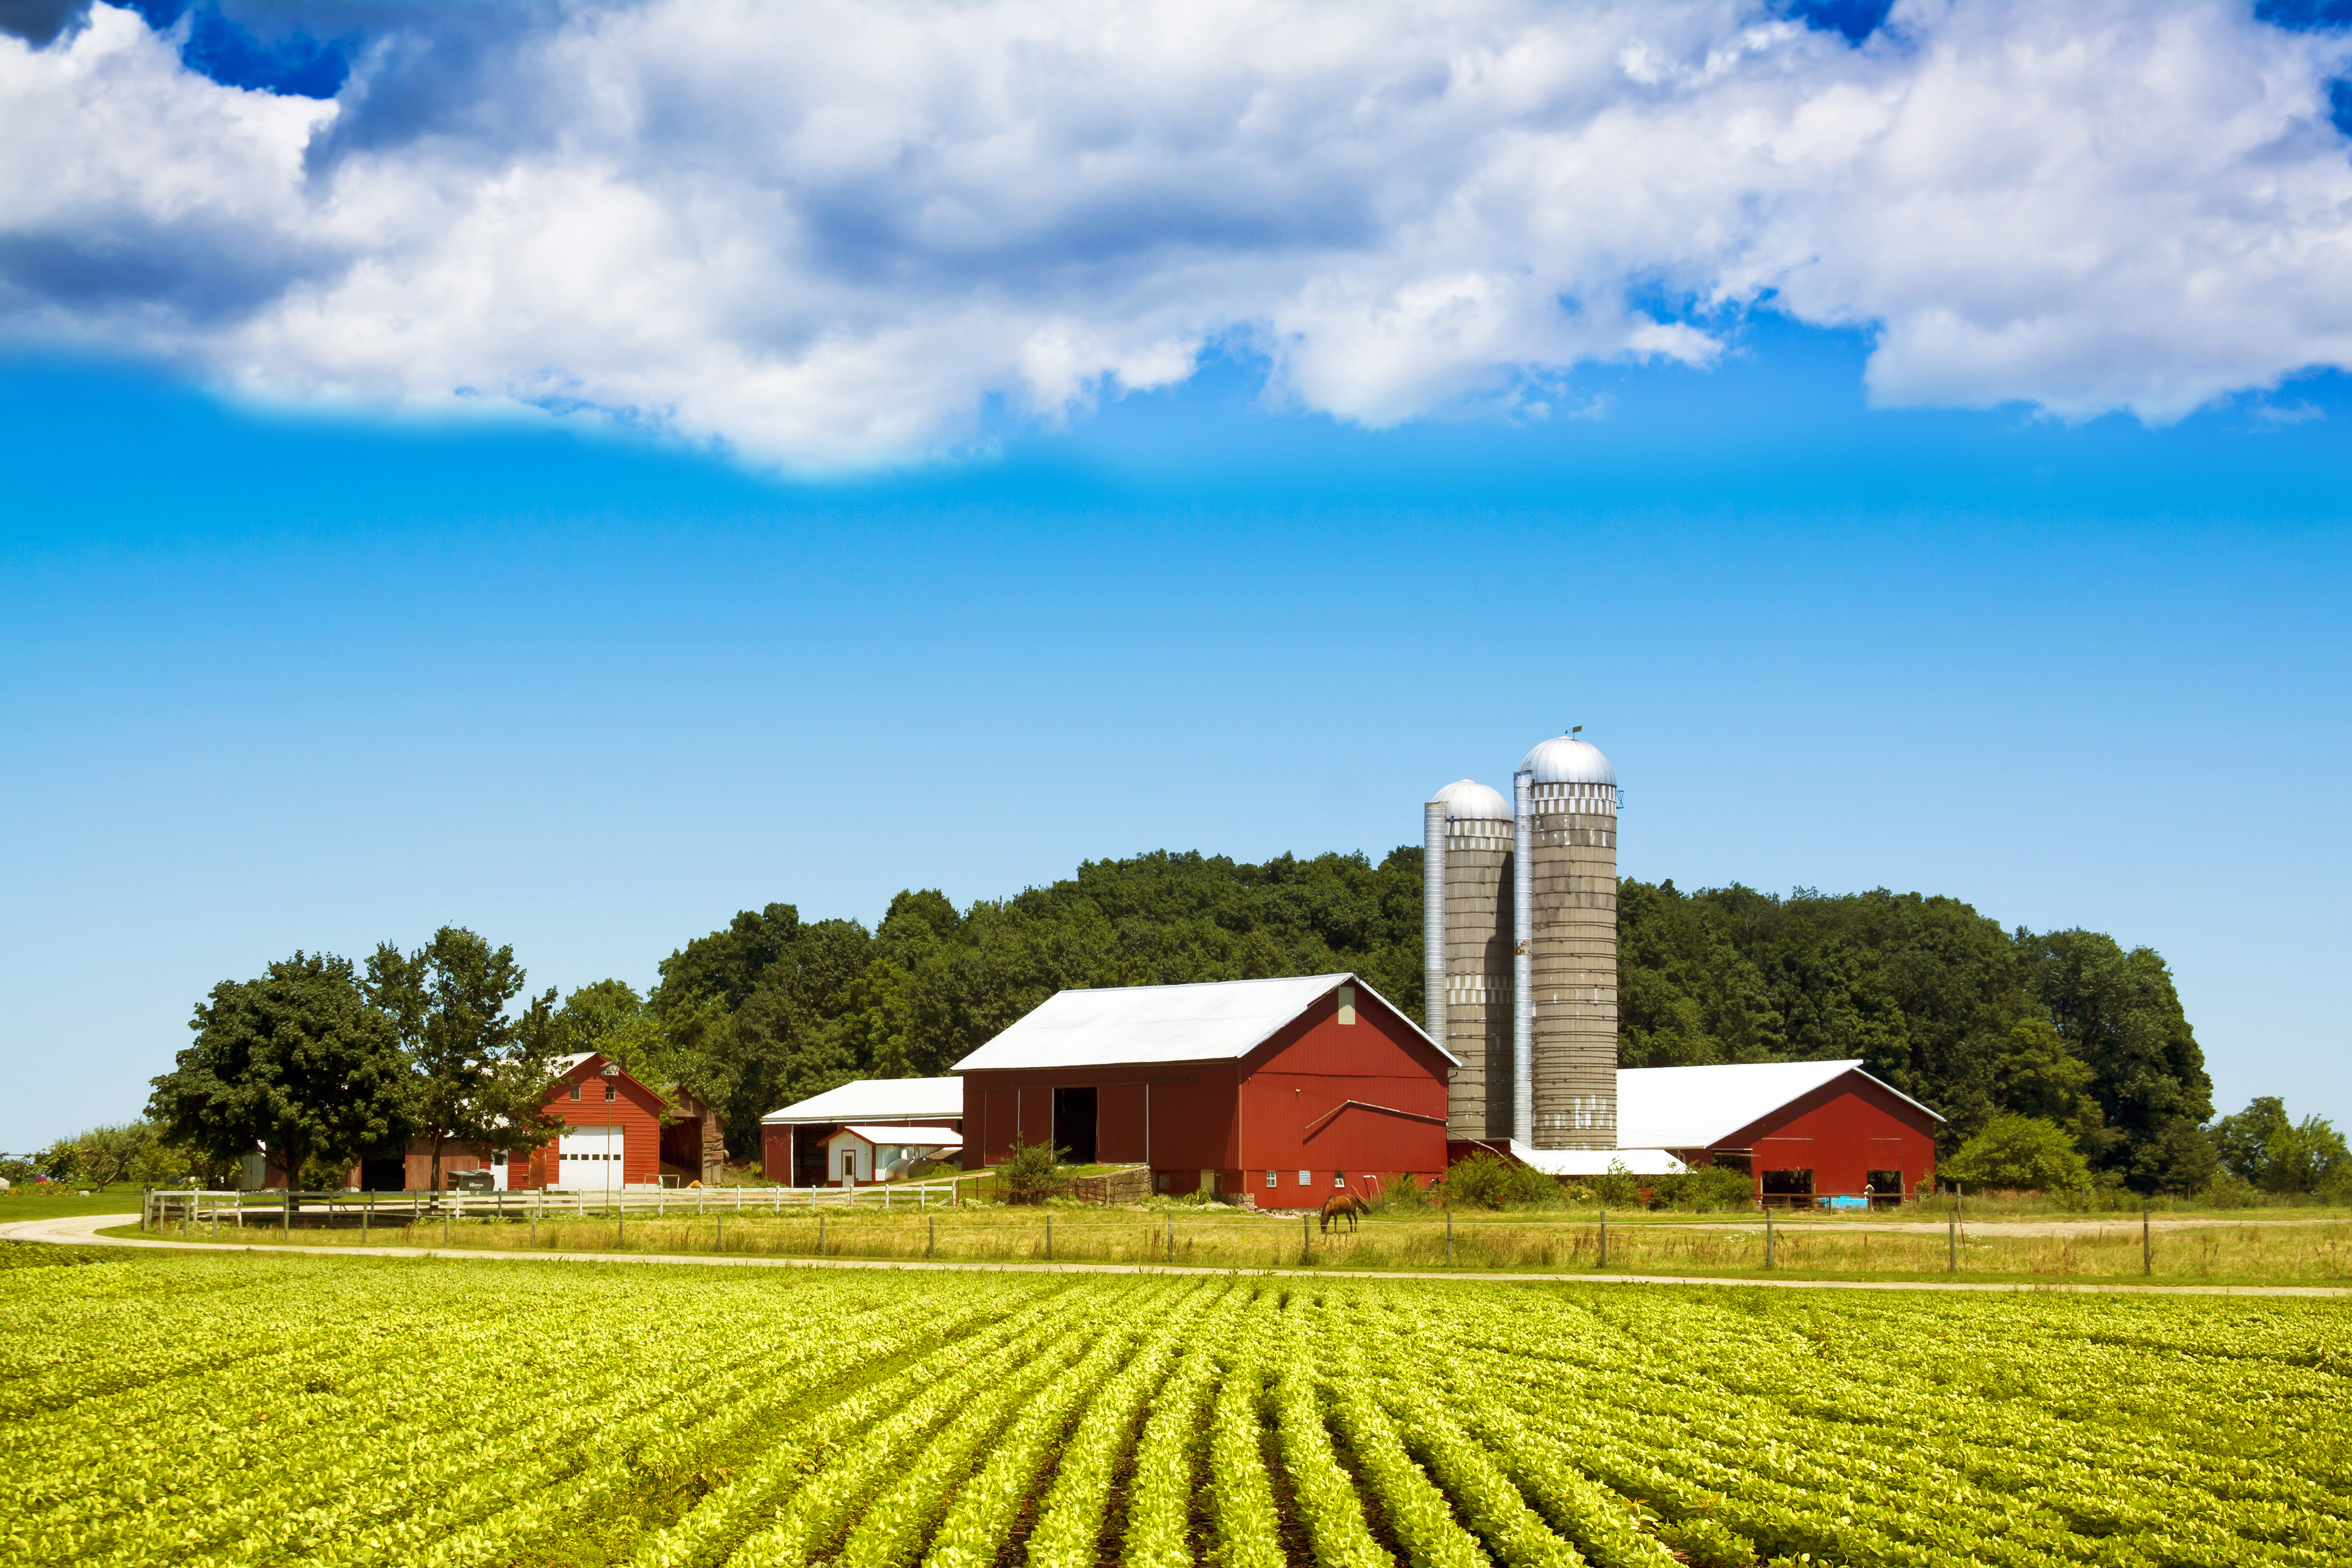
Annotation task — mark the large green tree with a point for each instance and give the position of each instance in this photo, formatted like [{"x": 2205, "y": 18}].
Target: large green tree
[
  {"x": 295, "y": 1064},
  {"x": 2264, "y": 1146},
  {"x": 479, "y": 1074}
]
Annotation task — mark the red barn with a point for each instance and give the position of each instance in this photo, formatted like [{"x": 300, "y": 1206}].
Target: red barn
[
  {"x": 1281, "y": 1091},
  {"x": 1806, "y": 1131},
  {"x": 614, "y": 1135}
]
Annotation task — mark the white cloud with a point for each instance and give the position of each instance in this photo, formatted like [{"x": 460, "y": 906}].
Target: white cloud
[{"x": 830, "y": 235}]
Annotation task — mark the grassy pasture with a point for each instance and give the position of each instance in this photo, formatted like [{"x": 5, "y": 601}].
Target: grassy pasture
[
  {"x": 186, "y": 1408},
  {"x": 2255, "y": 1252}
]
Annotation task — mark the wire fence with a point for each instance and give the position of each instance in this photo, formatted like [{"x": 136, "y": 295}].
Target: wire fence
[{"x": 925, "y": 1222}]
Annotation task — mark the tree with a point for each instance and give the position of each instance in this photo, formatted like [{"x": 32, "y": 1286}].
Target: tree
[
  {"x": 2035, "y": 1075},
  {"x": 2021, "y": 1152},
  {"x": 2118, "y": 1012},
  {"x": 99, "y": 1155},
  {"x": 294, "y": 1063},
  {"x": 2263, "y": 1146},
  {"x": 478, "y": 1076}
]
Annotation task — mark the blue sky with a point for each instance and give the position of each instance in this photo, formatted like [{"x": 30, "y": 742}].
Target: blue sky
[
  {"x": 290, "y": 681},
  {"x": 427, "y": 505}
]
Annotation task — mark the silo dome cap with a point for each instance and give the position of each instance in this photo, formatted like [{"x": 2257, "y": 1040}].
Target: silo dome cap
[
  {"x": 1564, "y": 759},
  {"x": 1467, "y": 800}
]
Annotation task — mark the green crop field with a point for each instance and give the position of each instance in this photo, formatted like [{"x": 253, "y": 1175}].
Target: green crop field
[{"x": 239, "y": 1409}]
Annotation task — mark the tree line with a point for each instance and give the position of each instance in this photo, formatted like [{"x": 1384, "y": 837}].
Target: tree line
[{"x": 2061, "y": 1054}]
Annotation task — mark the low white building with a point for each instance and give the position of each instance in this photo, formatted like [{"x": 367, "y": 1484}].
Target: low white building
[
  {"x": 876, "y": 1124},
  {"x": 857, "y": 1154}
]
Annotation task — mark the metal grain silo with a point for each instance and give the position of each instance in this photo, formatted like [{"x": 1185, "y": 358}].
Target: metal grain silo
[
  {"x": 1467, "y": 924},
  {"x": 1565, "y": 1016}
]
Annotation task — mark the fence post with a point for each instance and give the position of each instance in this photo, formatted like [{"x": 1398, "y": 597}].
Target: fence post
[
  {"x": 1449, "y": 1238},
  {"x": 2146, "y": 1244},
  {"x": 534, "y": 1225},
  {"x": 215, "y": 1213},
  {"x": 1768, "y": 1236},
  {"x": 1952, "y": 1244},
  {"x": 820, "y": 1233},
  {"x": 288, "y": 1225},
  {"x": 1305, "y": 1241},
  {"x": 1049, "y": 1238},
  {"x": 621, "y": 1221},
  {"x": 1171, "y": 1238},
  {"x": 719, "y": 1233},
  {"x": 933, "y": 1244},
  {"x": 366, "y": 1209},
  {"x": 1604, "y": 1239}
]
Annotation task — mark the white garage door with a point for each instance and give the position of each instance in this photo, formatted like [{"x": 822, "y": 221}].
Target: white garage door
[{"x": 589, "y": 1160}]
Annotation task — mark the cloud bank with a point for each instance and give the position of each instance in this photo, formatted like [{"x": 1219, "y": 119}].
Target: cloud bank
[{"x": 836, "y": 236}]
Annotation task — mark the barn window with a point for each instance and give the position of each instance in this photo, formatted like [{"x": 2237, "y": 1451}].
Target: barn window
[
  {"x": 611, "y": 1090},
  {"x": 1269, "y": 1178},
  {"x": 575, "y": 1092},
  {"x": 1346, "y": 1003},
  {"x": 1305, "y": 1178},
  {"x": 1339, "y": 1178}
]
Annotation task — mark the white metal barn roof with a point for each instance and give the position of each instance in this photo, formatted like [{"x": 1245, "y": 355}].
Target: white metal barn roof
[
  {"x": 1694, "y": 1107},
  {"x": 1599, "y": 1162},
  {"x": 1221, "y": 1020},
  {"x": 907, "y": 1137},
  {"x": 879, "y": 1099}
]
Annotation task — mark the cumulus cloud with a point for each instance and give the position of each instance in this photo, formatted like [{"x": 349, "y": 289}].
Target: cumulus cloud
[{"x": 829, "y": 236}]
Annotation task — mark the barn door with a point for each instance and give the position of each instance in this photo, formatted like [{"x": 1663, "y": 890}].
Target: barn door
[{"x": 588, "y": 1159}]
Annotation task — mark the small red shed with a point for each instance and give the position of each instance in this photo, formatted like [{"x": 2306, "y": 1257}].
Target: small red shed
[
  {"x": 1281, "y": 1091},
  {"x": 1807, "y": 1131},
  {"x": 612, "y": 1131}
]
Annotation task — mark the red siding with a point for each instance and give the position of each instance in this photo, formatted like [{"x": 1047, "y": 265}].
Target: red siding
[
  {"x": 635, "y": 1109},
  {"x": 1840, "y": 1131},
  {"x": 1296, "y": 1112},
  {"x": 1192, "y": 1113},
  {"x": 1243, "y": 1119}
]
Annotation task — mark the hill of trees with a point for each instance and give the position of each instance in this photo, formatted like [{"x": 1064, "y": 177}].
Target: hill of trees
[{"x": 1974, "y": 1020}]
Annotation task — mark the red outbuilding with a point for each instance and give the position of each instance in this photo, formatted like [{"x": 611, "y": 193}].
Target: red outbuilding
[
  {"x": 1807, "y": 1131},
  {"x": 1277, "y": 1091}
]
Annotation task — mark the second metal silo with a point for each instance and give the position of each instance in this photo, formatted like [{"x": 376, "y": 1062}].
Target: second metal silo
[
  {"x": 1566, "y": 974},
  {"x": 1467, "y": 935}
]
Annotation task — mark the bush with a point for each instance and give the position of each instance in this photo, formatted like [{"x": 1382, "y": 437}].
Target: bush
[
  {"x": 1033, "y": 1172},
  {"x": 1400, "y": 1193},
  {"x": 2230, "y": 1191},
  {"x": 1488, "y": 1181},
  {"x": 1705, "y": 1189},
  {"x": 2020, "y": 1153}
]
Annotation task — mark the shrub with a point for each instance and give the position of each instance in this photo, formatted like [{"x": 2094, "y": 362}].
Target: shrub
[
  {"x": 2020, "y": 1152},
  {"x": 1488, "y": 1181},
  {"x": 1033, "y": 1172},
  {"x": 2229, "y": 1190},
  {"x": 1705, "y": 1189}
]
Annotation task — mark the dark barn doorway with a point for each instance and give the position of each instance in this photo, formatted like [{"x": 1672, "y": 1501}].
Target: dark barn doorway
[
  {"x": 389, "y": 1174},
  {"x": 1074, "y": 1123}
]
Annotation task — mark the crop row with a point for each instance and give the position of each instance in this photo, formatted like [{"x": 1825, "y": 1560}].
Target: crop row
[{"x": 280, "y": 1409}]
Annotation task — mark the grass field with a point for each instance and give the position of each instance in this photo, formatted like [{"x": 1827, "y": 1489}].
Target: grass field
[
  {"x": 2259, "y": 1252},
  {"x": 247, "y": 1408}
]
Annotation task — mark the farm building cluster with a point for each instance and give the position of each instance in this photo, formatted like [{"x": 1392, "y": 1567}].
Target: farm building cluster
[{"x": 1279, "y": 1092}]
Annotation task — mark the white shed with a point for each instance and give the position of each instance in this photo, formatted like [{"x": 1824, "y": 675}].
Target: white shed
[{"x": 857, "y": 1154}]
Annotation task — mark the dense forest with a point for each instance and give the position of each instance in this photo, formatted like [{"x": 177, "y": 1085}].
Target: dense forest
[{"x": 1973, "y": 1019}]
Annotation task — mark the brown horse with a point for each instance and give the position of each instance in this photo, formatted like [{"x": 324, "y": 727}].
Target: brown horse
[{"x": 1344, "y": 1205}]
